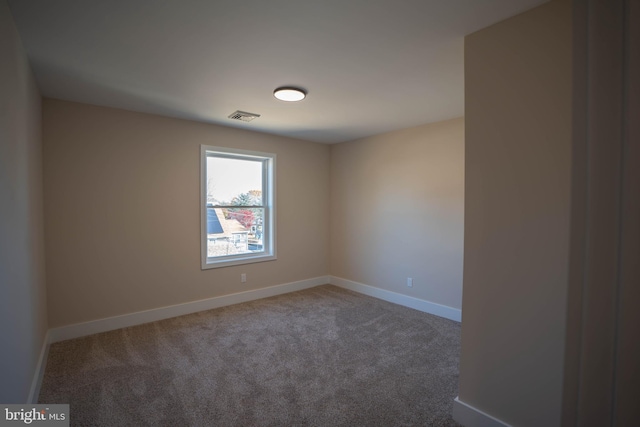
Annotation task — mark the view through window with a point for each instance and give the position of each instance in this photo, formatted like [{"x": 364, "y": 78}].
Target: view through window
[{"x": 238, "y": 217}]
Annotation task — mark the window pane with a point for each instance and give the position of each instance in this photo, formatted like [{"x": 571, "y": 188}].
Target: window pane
[
  {"x": 234, "y": 182},
  {"x": 234, "y": 231}
]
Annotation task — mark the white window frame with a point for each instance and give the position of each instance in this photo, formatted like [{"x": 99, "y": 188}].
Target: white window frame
[{"x": 269, "y": 197}]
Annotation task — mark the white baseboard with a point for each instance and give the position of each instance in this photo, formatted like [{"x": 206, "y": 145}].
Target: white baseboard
[
  {"x": 469, "y": 416},
  {"x": 405, "y": 300},
  {"x": 108, "y": 324},
  {"x": 36, "y": 383}
]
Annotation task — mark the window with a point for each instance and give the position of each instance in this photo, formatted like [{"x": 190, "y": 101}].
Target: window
[{"x": 237, "y": 206}]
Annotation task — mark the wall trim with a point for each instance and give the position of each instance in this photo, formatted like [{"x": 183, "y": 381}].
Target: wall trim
[
  {"x": 36, "y": 383},
  {"x": 469, "y": 416},
  {"x": 394, "y": 297},
  {"x": 111, "y": 323}
]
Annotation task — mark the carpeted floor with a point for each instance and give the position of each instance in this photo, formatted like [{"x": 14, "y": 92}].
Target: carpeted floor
[{"x": 319, "y": 357}]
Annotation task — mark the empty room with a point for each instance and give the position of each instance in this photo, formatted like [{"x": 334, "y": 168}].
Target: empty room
[{"x": 355, "y": 213}]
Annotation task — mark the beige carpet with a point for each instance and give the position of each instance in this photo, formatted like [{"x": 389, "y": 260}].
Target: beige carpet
[{"x": 319, "y": 357}]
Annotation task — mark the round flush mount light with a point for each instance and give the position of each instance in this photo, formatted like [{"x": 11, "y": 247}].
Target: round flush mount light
[{"x": 289, "y": 94}]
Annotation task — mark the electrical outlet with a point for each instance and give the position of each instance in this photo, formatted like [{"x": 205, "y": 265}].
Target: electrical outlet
[
  {"x": 410, "y": 282},
  {"x": 243, "y": 277}
]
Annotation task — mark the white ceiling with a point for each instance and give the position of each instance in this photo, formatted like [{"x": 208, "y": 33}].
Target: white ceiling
[{"x": 369, "y": 66}]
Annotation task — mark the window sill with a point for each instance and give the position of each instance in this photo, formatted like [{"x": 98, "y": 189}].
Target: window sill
[{"x": 236, "y": 260}]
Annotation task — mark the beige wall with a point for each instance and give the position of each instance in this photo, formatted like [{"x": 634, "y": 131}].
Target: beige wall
[
  {"x": 122, "y": 211},
  {"x": 23, "y": 314},
  {"x": 517, "y": 193},
  {"x": 397, "y": 209}
]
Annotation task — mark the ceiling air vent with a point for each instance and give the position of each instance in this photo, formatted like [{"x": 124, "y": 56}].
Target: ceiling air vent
[{"x": 243, "y": 116}]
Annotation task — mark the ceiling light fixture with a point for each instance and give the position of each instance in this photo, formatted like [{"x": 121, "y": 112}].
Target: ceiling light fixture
[{"x": 289, "y": 94}]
